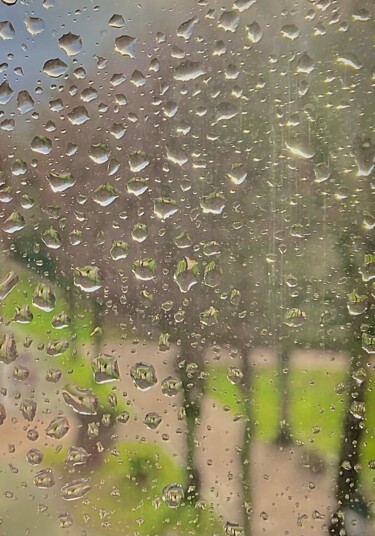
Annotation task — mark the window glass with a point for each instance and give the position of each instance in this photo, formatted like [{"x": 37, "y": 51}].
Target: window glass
[{"x": 187, "y": 267}]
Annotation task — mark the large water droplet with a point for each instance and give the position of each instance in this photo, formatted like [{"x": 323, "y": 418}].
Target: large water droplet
[
  {"x": 105, "y": 194},
  {"x": 88, "y": 278},
  {"x": 82, "y": 401},
  {"x": 25, "y": 103},
  {"x": 144, "y": 269},
  {"x": 28, "y": 409},
  {"x": 55, "y": 68},
  {"x": 6, "y": 30},
  {"x": 34, "y": 25},
  {"x": 143, "y": 376},
  {"x": 60, "y": 182},
  {"x": 189, "y": 70},
  {"x": 41, "y": 145},
  {"x": 44, "y": 298},
  {"x": 254, "y": 32},
  {"x": 229, "y": 21},
  {"x": 186, "y": 274},
  {"x": 58, "y": 428},
  {"x": 105, "y": 369},
  {"x": 8, "y": 284},
  {"x": 75, "y": 489},
  {"x": 125, "y": 45},
  {"x": 173, "y": 495},
  {"x": 77, "y": 456},
  {"x": 44, "y": 479},
  {"x": 8, "y": 349},
  {"x": 71, "y": 44},
  {"x": 6, "y": 92},
  {"x": 165, "y": 207}
]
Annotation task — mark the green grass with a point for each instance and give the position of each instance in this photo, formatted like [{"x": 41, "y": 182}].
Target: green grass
[{"x": 316, "y": 409}]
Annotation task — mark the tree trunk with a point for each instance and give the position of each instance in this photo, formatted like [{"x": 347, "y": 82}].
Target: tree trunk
[
  {"x": 284, "y": 436},
  {"x": 347, "y": 481},
  {"x": 190, "y": 368},
  {"x": 246, "y": 442}
]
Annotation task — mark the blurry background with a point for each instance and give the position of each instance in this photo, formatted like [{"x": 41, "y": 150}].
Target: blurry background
[{"x": 187, "y": 267}]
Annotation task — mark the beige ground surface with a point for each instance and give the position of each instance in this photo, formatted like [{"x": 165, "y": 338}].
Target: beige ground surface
[{"x": 288, "y": 498}]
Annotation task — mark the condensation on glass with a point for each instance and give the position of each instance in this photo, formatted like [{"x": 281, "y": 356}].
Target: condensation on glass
[{"x": 187, "y": 267}]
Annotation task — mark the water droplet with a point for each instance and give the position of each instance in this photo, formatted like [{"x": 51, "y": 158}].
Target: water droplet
[
  {"x": 88, "y": 278},
  {"x": 65, "y": 520},
  {"x": 105, "y": 369},
  {"x": 213, "y": 203},
  {"x": 209, "y": 317},
  {"x": 15, "y": 222},
  {"x": 58, "y": 428},
  {"x": 77, "y": 456},
  {"x": 51, "y": 238},
  {"x": 20, "y": 373},
  {"x": 212, "y": 275},
  {"x": 138, "y": 161},
  {"x": 8, "y": 349},
  {"x": 78, "y": 116},
  {"x": 144, "y": 269},
  {"x": 71, "y": 44},
  {"x": 44, "y": 479},
  {"x": 118, "y": 130},
  {"x": 41, "y": 145},
  {"x": 6, "y": 30},
  {"x": 186, "y": 274},
  {"x": 173, "y": 495},
  {"x": 143, "y": 376},
  {"x": 53, "y": 375},
  {"x": 186, "y": 29},
  {"x": 290, "y": 31},
  {"x": 189, "y": 70},
  {"x": 350, "y": 60},
  {"x": 125, "y": 45},
  {"x": 321, "y": 172},
  {"x": 152, "y": 420},
  {"x": 82, "y": 401},
  {"x": 294, "y": 318},
  {"x": 171, "y": 386},
  {"x": 358, "y": 410},
  {"x": 44, "y": 298},
  {"x": 60, "y": 182},
  {"x": 138, "y": 78},
  {"x": 243, "y": 5},
  {"x": 357, "y": 304},
  {"x": 368, "y": 343},
  {"x": 137, "y": 186},
  {"x": 34, "y": 456},
  {"x": 361, "y": 15},
  {"x": 254, "y": 32},
  {"x": 34, "y": 25},
  {"x": 56, "y": 348},
  {"x": 99, "y": 153},
  {"x": 60, "y": 321},
  {"x": 6, "y": 92},
  {"x": 55, "y": 68},
  {"x": 300, "y": 147},
  {"x": 75, "y": 489},
  {"x": 8, "y": 284},
  {"x": 229, "y": 21},
  {"x": 28, "y": 409},
  {"x": 165, "y": 207},
  {"x": 123, "y": 417},
  {"x": 367, "y": 271},
  {"x": 364, "y": 154},
  {"x": 116, "y": 21},
  {"x": 105, "y": 194}
]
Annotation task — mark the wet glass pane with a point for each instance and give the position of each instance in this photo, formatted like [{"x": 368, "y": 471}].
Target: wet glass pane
[{"x": 187, "y": 267}]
